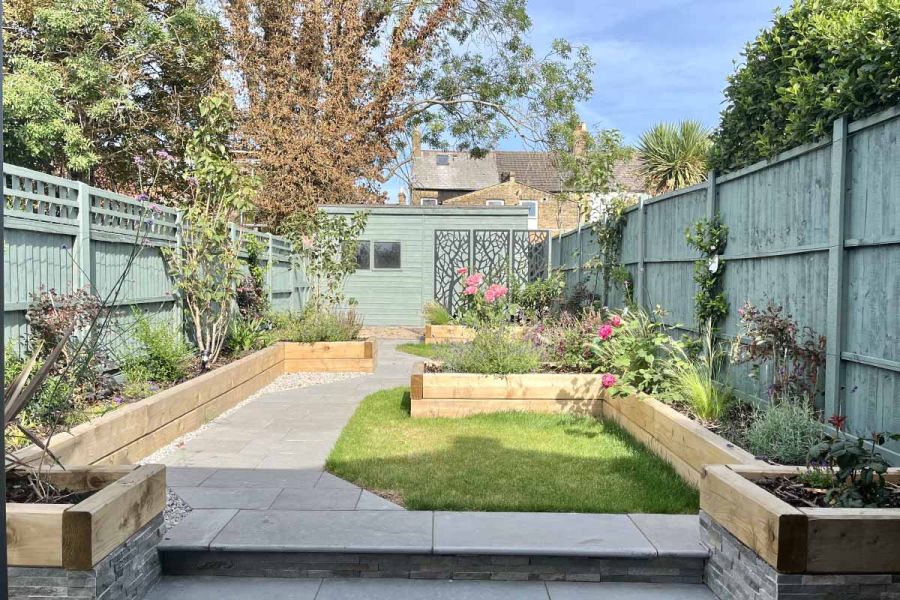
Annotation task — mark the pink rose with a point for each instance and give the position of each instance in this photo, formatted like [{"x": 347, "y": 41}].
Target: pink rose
[
  {"x": 605, "y": 332},
  {"x": 462, "y": 271},
  {"x": 474, "y": 280},
  {"x": 470, "y": 290},
  {"x": 608, "y": 380},
  {"x": 490, "y": 296},
  {"x": 616, "y": 321}
]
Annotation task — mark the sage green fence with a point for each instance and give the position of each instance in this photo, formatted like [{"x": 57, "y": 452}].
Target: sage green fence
[
  {"x": 815, "y": 229},
  {"x": 65, "y": 235}
]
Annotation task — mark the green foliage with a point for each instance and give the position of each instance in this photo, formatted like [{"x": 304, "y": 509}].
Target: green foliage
[
  {"x": 697, "y": 381},
  {"x": 162, "y": 354},
  {"x": 674, "y": 155},
  {"x": 494, "y": 350},
  {"x": 245, "y": 335},
  {"x": 206, "y": 266},
  {"x": 436, "y": 314},
  {"x": 90, "y": 83},
  {"x": 482, "y": 304},
  {"x": 52, "y": 401},
  {"x": 820, "y": 59},
  {"x": 251, "y": 297},
  {"x": 784, "y": 432},
  {"x": 565, "y": 342},
  {"x": 539, "y": 297},
  {"x": 816, "y": 477},
  {"x": 709, "y": 237},
  {"x": 318, "y": 325},
  {"x": 636, "y": 350},
  {"x": 327, "y": 245},
  {"x": 858, "y": 468}
]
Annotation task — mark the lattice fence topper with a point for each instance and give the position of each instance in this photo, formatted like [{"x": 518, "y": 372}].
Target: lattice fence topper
[{"x": 503, "y": 255}]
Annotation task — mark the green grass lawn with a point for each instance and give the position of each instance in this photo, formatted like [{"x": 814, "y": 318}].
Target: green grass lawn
[
  {"x": 421, "y": 349},
  {"x": 503, "y": 462}
]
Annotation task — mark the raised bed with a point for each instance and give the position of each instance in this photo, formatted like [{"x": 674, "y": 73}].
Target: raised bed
[
  {"x": 800, "y": 540},
  {"x": 136, "y": 430},
  {"x": 685, "y": 444},
  {"x": 78, "y": 536},
  {"x": 456, "y": 334}
]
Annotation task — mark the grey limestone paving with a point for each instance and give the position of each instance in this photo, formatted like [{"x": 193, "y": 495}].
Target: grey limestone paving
[{"x": 235, "y": 588}]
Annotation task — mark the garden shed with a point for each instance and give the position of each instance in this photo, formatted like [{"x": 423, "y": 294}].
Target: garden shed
[{"x": 396, "y": 274}]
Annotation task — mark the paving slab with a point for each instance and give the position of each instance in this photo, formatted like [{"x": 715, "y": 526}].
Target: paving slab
[
  {"x": 628, "y": 591},
  {"x": 549, "y": 534},
  {"x": 197, "y": 529},
  {"x": 383, "y": 531},
  {"x": 187, "y": 476},
  {"x": 210, "y": 497},
  {"x": 672, "y": 535},
  {"x": 406, "y": 589},
  {"x": 370, "y": 501},
  {"x": 317, "y": 499},
  {"x": 273, "y": 478},
  {"x": 233, "y": 588},
  {"x": 327, "y": 480}
]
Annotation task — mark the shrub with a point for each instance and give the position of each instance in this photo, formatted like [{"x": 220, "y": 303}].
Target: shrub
[
  {"x": 318, "y": 325},
  {"x": 674, "y": 156},
  {"x": 493, "y": 351},
  {"x": 245, "y": 335},
  {"x": 566, "y": 343},
  {"x": 697, "y": 381},
  {"x": 536, "y": 297},
  {"x": 436, "y": 314},
  {"x": 250, "y": 294},
  {"x": 162, "y": 355},
  {"x": 820, "y": 59},
  {"x": 784, "y": 432},
  {"x": 482, "y": 303}
]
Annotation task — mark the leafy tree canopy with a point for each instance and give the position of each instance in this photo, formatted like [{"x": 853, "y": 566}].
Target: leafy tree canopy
[
  {"x": 89, "y": 84},
  {"x": 333, "y": 90},
  {"x": 819, "y": 60}
]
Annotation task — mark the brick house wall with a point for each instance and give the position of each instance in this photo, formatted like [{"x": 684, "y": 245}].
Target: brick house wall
[{"x": 555, "y": 212}]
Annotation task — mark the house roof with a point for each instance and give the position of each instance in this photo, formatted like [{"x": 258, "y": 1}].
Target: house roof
[{"x": 534, "y": 169}]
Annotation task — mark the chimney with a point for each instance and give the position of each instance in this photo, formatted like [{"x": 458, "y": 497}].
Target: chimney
[
  {"x": 401, "y": 198},
  {"x": 508, "y": 176},
  {"x": 580, "y": 140},
  {"x": 416, "y": 142}
]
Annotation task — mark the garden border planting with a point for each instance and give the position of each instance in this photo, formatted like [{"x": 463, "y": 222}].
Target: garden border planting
[
  {"x": 684, "y": 443},
  {"x": 136, "y": 430},
  {"x": 800, "y": 540},
  {"x": 78, "y": 536}
]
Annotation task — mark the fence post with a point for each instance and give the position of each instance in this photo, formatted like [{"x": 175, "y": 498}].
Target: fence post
[
  {"x": 712, "y": 197},
  {"x": 642, "y": 249},
  {"x": 270, "y": 270},
  {"x": 177, "y": 306},
  {"x": 835, "y": 304},
  {"x": 82, "y": 250}
]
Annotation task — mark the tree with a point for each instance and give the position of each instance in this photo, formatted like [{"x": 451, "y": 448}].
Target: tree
[
  {"x": 334, "y": 90},
  {"x": 206, "y": 266},
  {"x": 90, "y": 84},
  {"x": 674, "y": 155},
  {"x": 820, "y": 59}
]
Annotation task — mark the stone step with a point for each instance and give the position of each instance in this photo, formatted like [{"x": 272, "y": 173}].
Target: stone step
[{"x": 436, "y": 545}]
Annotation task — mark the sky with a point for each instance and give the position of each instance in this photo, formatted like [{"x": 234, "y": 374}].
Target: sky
[{"x": 656, "y": 60}]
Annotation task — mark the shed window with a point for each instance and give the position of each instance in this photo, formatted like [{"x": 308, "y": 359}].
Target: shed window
[
  {"x": 495, "y": 203},
  {"x": 429, "y": 201},
  {"x": 443, "y": 159},
  {"x": 387, "y": 255},
  {"x": 364, "y": 255}
]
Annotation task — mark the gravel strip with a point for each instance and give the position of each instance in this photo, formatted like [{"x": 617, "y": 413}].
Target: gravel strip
[
  {"x": 289, "y": 381},
  {"x": 176, "y": 510}
]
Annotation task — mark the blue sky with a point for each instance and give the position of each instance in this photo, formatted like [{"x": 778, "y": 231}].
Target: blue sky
[{"x": 656, "y": 60}]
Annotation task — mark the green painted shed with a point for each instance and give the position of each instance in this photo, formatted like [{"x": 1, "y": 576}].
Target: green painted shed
[{"x": 400, "y": 239}]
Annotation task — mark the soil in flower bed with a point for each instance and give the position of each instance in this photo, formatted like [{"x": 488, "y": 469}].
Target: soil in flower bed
[
  {"x": 799, "y": 495},
  {"x": 25, "y": 489}
]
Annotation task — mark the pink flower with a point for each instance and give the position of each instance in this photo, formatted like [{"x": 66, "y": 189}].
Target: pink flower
[
  {"x": 605, "y": 332},
  {"x": 470, "y": 290},
  {"x": 608, "y": 380},
  {"x": 490, "y": 296},
  {"x": 616, "y": 321},
  {"x": 474, "y": 280},
  {"x": 462, "y": 271}
]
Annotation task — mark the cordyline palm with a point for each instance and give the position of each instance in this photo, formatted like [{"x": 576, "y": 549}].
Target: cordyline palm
[{"x": 674, "y": 155}]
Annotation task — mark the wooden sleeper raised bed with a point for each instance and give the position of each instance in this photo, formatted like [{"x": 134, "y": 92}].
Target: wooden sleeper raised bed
[{"x": 78, "y": 536}]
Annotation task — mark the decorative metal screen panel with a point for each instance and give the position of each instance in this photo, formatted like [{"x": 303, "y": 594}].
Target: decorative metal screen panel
[
  {"x": 452, "y": 250},
  {"x": 503, "y": 255}
]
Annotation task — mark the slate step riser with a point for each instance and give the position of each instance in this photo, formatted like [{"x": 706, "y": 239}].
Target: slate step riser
[{"x": 430, "y": 566}]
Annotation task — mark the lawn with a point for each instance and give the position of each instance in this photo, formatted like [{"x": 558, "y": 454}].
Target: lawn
[
  {"x": 503, "y": 462},
  {"x": 421, "y": 349}
]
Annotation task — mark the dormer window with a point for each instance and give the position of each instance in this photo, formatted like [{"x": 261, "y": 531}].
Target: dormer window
[{"x": 442, "y": 159}]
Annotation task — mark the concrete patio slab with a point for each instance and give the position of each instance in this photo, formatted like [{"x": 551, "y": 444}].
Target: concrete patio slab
[
  {"x": 396, "y": 589},
  {"x": 327, "y": 480},
  {"x": 208, "y": 497},
  {"x": 187, "y": 476},
  {"x": 539, "y": 534},
  {"x": 317, "y": 499},
  {"x": 370, "y": 501},
  {"x": 382, "y": 531},
  {"x": 628, "y": 591},
  {"x": 234, "y": 588},
  {"x": 273, "y": 478},
  {"x": 672, "y": 535},
  {"x": 197, "y": 529}
]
